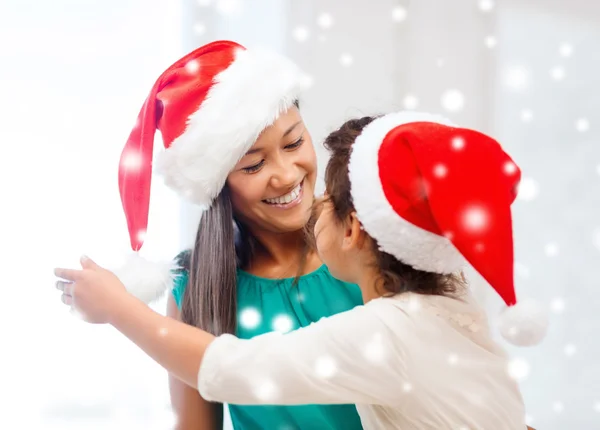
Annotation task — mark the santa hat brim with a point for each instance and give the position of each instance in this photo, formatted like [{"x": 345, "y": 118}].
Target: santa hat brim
[{"x": 412, "y": 245}]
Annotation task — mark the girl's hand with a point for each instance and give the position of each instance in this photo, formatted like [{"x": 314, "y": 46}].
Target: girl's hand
[{"x": 92, "y": 291}]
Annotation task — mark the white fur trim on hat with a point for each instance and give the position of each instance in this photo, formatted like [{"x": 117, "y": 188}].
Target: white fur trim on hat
[
  {"x": 145, "y": 279},
  {"x": 245, "y": 98},
  {"x": 412, "y": 245}
]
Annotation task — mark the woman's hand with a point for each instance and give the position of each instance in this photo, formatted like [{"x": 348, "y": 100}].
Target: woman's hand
[{"x": 92, "y": 291}]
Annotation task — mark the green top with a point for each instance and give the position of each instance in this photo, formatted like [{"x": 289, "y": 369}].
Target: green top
[{"x": 266, "y": 305}]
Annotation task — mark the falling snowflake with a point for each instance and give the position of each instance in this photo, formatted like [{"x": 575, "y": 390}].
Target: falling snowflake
[
  {"x": 439, "y": 62},
  {"x": 551, "y": 249},
  {"x": 453, "y": 100},
  {"x": 557, "y": 305},
  {"x": 229, "y": 7},
  {"x": 410, "y": 102},
  {"x": 266, "y": 391},
  {"x": 528, "y": 420},
  {"x": 192, "y": 67},
  {"x": 375, "y": 350},
  {"x": 346, "y": 60},
  {"x": 518, "y": 369},
  {"x": 453, "y": 359},
  {"x": 141, "y": 235},
  {"x": 596, "y": 238},
  {"x": 458, "y": 143},
  {"x": 528, "y": 189},
  {"x": 509, "y": 168},
  {"x": 582, "y": 125},
  {"x": 301, "y": 33},
  {"x": 163, "y": 332},
  {"x": 597, "y": 406},
  {"x": 490, "y": 41},
  {"x": 325, "y": 367},
  {"x": 131, "y": 161},
  {"x": 557, "y": 73},
  {"x": 199, "y": 29},
  {"x": 565, "y": 49},
  {"x": 414, "y": 303},
  {"x": 526, "y": 115},
  {"x": 325, "y": 20},
  {"x": 517, "y": 78},
  {"x": 249, "y": 318},
  {"x": 558, "y": 407},
  {"x": 570, "y": 350},
  {"x": 475, "y": 219},
  {"x": 407, "y": 387},
  {"x": 399, "y": 14},
  {"x": 440, "y": 171},
  {"x": 283, "y": 324},
  {"x": 486, "y": 5}
]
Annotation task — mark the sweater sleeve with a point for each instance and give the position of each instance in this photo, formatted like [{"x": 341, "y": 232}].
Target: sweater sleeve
[{"x": 341, "y": 359}]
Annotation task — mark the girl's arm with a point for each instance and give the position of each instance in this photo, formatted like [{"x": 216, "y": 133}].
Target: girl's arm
[
  {"x": 341, "y": 359},
  {"x": 192, "y": 411}
]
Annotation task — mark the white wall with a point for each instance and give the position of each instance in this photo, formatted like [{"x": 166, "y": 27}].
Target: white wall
[{"x": 74, "y": 75}]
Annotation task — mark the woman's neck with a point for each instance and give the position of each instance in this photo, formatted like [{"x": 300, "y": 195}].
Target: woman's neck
[{"x": 282, "y": 255}]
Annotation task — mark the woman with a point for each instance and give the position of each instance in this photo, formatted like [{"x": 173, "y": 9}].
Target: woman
[{"x": 236, "y": 145}]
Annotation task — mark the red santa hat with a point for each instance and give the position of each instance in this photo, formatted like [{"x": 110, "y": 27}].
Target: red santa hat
[
  {"x": 210, "y": 107},
  {"x": 437, "y": 196}
]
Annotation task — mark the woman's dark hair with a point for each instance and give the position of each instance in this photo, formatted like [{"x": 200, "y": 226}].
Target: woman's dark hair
[
  {"x": 222, "y": 245},
  {"x": 396, "y": 277}
]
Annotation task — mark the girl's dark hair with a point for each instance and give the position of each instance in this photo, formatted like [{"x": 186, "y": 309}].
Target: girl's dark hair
[
  {"x": 222, "y": 245},
  {"x": 396, "y": 277}
]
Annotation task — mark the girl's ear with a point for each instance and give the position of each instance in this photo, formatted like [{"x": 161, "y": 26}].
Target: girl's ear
[{"x": 354, "y": 235}]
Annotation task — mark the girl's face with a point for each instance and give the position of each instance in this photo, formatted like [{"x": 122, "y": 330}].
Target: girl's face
[
  {"x": 272, "y": 187},
  {"x": 331, "y": 238}
]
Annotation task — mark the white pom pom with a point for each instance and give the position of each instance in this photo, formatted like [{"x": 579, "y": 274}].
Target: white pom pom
[
  {"x": 524, "y": 324},
  {"x": 144, "y": 279}
]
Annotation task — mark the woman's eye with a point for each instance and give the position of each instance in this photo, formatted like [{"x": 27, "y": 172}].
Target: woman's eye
[
  {"x": 254, "y": 168},
  {"x": 296, "y": 144}
]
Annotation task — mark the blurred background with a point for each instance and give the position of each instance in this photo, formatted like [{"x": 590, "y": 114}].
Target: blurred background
[{"x": 75, "y": 73}]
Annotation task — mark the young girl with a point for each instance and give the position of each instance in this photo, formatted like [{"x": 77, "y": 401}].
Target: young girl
[{"x": 409, "y": 198}]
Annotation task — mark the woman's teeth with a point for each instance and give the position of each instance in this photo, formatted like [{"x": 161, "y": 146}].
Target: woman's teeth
[{"x": 287, "y": 198}]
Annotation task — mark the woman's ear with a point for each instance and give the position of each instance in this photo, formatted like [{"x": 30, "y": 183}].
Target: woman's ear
[{"x": 354, "y": 235}]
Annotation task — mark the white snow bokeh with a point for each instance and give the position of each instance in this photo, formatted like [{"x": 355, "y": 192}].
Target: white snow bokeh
[
  {"x": 399, "y": 13},
  {"x": 519, "y": 369},
  {"x": 249, "y": 318},
  {"x": 528, "y": 189},
  {"x": 283, "y": 323},
  {"x": 453, "y": 100},
  {"x": 325, "y": 20}
]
